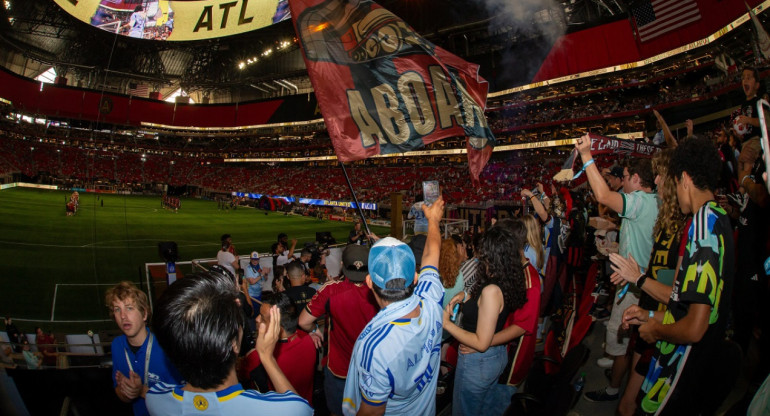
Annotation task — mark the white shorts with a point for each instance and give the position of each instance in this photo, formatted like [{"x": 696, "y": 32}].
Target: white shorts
[{"x": 616, "y": 342}]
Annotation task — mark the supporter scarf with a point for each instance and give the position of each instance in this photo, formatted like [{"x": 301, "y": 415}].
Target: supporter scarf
[{"x": 601, "y": 145}]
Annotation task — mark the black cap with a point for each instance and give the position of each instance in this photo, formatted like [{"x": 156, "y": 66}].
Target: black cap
[{"x": 355, "y": 260}]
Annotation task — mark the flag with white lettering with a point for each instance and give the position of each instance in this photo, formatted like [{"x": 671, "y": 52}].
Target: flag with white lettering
[
  {"x": 601, "y": 145},
  {"x": 384, "y": 89}
]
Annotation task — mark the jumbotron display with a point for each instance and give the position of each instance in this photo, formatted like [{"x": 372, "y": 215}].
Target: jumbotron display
[{"x": 177, "y": 20}]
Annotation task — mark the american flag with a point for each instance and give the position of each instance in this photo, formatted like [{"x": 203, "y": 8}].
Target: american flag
[
  {"x": 138, "y": 90},
  {"x": 658, "y": 17}
]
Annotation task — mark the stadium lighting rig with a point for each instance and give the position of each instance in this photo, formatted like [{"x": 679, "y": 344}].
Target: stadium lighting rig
[{"x": 281, "y": 45}]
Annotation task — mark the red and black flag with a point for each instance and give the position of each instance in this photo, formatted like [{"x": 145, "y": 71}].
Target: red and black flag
[{"x": 382, "y": 88}]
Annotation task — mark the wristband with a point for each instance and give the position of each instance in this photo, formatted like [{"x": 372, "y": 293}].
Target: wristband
[
  {"x": 583, "y": 169},
  {"x": 650, "y": 314},
  {"x": 465, "y": 296},
  {"x": 640, "y": 281}
]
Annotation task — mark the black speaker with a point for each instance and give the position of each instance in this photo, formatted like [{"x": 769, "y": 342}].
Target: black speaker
[
  {"x": 325, "y": 237},
  {"x": 168, "y": 251}
]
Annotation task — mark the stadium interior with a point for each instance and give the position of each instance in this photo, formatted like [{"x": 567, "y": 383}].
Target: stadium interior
[{"x": 223, "y": 118}]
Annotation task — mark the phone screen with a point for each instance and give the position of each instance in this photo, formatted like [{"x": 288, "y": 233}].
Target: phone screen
[{"x": 430, "y": 191}]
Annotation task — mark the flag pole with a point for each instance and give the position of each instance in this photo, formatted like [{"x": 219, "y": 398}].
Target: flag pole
[{"x": 355, "y": 201}]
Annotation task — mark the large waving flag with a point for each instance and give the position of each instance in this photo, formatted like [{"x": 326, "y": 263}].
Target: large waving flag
[{"x": 382, "y": 88}]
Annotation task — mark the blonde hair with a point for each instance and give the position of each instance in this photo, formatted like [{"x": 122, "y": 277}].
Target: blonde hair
[
  {"x": 125, "y": 291},
  {"x": 535, "y": 239},
  {"x": 670, "y": 218},
  {"x": 448, "y": 263}
]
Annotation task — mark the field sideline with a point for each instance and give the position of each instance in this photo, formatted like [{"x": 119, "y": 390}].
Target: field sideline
[{"x": 101, "y": 245}]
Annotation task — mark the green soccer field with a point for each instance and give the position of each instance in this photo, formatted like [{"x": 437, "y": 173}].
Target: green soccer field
[{"x": 41, "y": 248}]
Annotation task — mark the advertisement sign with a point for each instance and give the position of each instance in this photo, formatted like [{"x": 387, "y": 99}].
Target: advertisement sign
[{"x": 177, "y": 20}]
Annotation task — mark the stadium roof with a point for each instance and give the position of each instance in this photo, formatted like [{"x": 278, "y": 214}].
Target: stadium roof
[{"x": 38, "y": 34}]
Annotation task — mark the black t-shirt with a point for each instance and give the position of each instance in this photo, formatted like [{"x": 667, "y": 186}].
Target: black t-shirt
[
  {"x": 665, "y": 252},
  {"x": 750, "y": 240},
  {"x": 300, "y": 295}
]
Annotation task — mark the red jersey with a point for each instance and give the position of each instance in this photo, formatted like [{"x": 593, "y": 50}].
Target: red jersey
[
  {"x": 525, "y": 318},
  {"x": 296, "y": 358},
  {"x": 350, "y": 307}
]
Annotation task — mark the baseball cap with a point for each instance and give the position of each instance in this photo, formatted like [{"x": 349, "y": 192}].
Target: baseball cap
[
  {"x": 391, "y": 259},
  {"x": 617, "y": 172},
  {"x": 254, "y": 255},
  {"x": 354, "y": 262}
]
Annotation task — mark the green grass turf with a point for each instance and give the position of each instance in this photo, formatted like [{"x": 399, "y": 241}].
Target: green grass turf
[{"x": 40, "y": 247}]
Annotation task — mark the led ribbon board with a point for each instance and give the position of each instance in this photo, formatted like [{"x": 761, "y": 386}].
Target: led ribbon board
[{"x": 177, "y": 20}]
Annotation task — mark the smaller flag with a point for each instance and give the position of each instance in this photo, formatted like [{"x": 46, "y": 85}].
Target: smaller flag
[
  {"x": 658, "y": 17},
  {"x": 138, "y": 90},
  {"x": 763, "y": 41}
]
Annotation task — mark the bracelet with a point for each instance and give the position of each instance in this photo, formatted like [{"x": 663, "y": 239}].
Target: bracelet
[
  {"x": 465, "y": 296},
  {"x": 650, "y": 315},
  {"x": 748, "y": 176}
]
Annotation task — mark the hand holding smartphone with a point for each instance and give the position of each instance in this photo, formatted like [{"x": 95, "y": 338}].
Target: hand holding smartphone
[{"x": 430, "y": 192}]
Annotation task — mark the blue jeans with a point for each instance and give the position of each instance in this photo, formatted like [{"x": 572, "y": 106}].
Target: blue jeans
[
  {"x": 499, "y": 398},
  {"x": 475, "y": 380}
]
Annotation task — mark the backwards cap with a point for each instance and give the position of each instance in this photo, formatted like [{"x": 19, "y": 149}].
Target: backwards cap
[{"x": 391, "y": 259}]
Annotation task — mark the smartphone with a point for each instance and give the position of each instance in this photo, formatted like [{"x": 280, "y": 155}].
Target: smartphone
[
  {"x": 763, "y": 108},
  {"x": 430, "y": 191},
  {"x": 455, "y": 310}
]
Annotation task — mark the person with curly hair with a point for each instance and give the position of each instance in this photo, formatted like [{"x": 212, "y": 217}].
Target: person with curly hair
[
  {"x": 683, "y": 376},
  {"x": 449, "y": 268},
  {"x": 655, "y": 282},
  {"x": 499, "y": 290}
]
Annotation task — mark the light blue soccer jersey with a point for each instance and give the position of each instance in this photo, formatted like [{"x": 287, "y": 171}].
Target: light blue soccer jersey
[
  {"x": 168, "y": 399},
  {"x": 395, "y": 361}
]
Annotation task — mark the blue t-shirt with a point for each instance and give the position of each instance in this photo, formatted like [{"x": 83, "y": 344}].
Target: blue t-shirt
[
  {"x": 167, "y": 399},
  {"x": 395, "y": 361},
  {"x": 255, "y": 290},
  {"x": 160, "y": 368}
]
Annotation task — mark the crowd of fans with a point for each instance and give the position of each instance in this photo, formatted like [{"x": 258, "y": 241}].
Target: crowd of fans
[{"x": 685, "y": 279}]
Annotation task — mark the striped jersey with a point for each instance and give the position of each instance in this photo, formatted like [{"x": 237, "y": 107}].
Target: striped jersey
[
  {"x": 168, "y": 399},
  {"x": 395, "y": 360}
]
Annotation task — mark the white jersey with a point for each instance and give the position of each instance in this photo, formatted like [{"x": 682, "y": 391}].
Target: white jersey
[
  {"x": 168, "y": 399},
  {"x": 395, "y": 360}
]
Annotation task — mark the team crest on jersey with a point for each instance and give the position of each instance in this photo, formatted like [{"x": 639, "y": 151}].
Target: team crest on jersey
[
  {"x": 200, "y": 402},
  {"x": 367, "y": 378}
]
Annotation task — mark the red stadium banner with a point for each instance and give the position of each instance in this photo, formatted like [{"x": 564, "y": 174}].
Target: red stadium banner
[
  {"x": 384, "y": 89},
  {"x": 601, "y": 145}
]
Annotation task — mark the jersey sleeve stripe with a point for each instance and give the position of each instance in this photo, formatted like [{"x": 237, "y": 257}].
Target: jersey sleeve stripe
[
  {"x": 370, "y": 356},
  {"x": 368, "y": 342}
]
